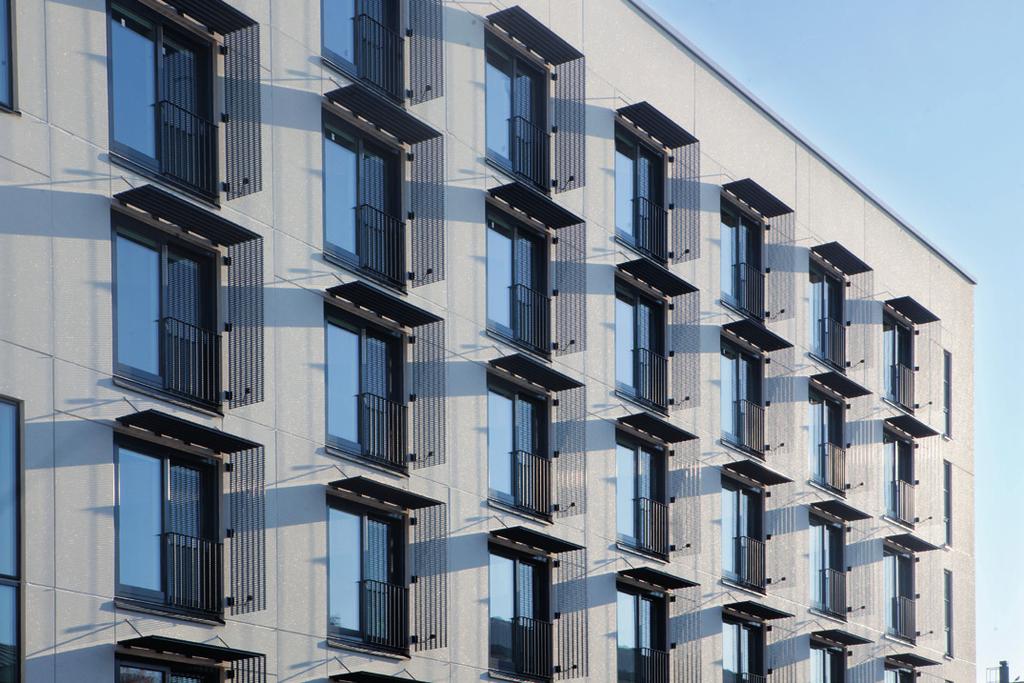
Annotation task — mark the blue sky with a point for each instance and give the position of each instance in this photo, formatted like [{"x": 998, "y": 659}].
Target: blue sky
[{"x": 922, "y": 101}]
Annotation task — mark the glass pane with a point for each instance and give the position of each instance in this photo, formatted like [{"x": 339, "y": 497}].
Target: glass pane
[
  {"x": 499, "y": 278},
  {"x": 624, "y": 331},
  {"x": 626, "y": 627},
  {"x": 625, "y": 483},
  {"x": 728, "y": 257},
  {"x": 730, "y": 648},
  {"x": 344, "y": 572},
  {"x": 817, "y": 554},
  {"x": 730, "y": 502},
  {"x": 5, "y": 54},
  {"x": 499, "y": 444},
  {"x": 340, "y": 193},
  {"x": 133, "y": 82},
  {"x": 338, "y": 19},
  {"x": 139, "y": 519},
  {"x": 138, "y": 306},
  {"x": 499, "y": 107},
  {"x": 624, "y": 169},
  {"x": 342, "y": 384},
  {"x": 180, "y": 79},
  {"x": 501, "y": 580},
  {"x": 729, "y": 394},
  {"x": 8, "y": 633},
  {"x": 816, "y": 437},
  {"x": 8, "y": 489},
  {"x": 133, "y": 674}
]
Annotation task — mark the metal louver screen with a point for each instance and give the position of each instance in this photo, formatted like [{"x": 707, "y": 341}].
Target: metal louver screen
[
  {"x": 427, "y": 203},
  {"x": 248, "y": 539},
  {"x": 684, "y": 198},
  {"x": 570, "y": 138},
  {"x": 571, "y": 623},
  {"x": 782, "y": 416},
  {"x": 242, "y": 130},
  {"x": 245, "y": 315},
  {"x": 684, "y": 487},
  {"x": 426, "y": 50},
  {"x": 570, "y": 442},
  {"x": 684, "y": 636},
  {"x": 184, "y": 506},
  {"x": 429, "y": 385},
  {"x": 430, "y": 568},
  {"x": 782, "y": 262},
  {"x": 684, "y": 342},
  {"x": 250, "y": 670},
  {"x": 864, "y": 316},
  {"x": 569, "y": 271}
]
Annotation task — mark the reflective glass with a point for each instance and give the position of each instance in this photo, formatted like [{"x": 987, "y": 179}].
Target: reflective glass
[
  {"x": 501, "y": 597},
  {"x": 133, "y": 82},
  {"x": 730, "y": 523},
  {"x": 342, "y": 383},
  {"x": 499, "y": 109},
  {"x": 730, "y": 648},
  {"x": 8, "y": 489},
  {"x": 344, "y": 569},
  {"x": 138, "y": 305},
  {"x": 133, "y": 674},
  {"x": 8, "y": 633},
  {"x": 338, "y": 20},
  {"x": 340, "y": 193},
  {"x": 499, "y": 278},
  {"x": 625, "y": 324},
  {"x": 499, "y": 444},
  {"x": 625, "y": 483},
  {"x": 627, "y": 636},
  {"x": 624, "y": 171},
  {"x": 729, "y": 390},
  {"x": 140, "y": 519},
  {"x": 728, "y": 256},
  {"x": 5, "y": 54}
]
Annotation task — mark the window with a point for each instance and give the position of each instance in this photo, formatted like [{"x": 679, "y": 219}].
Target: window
[
  {"x": 161, "y": 98},
  {"x": 828, "y": 579},
  {"x": 742, "y": 651},
  {"x": 947, "y": 393},
  {"x": 363, "y": 36},
  {"x": 168, "y": 531},
  {"x": 10, "y": 543},
  {"x": 828, "y": 664},
  {"x": 898, "y": 346},
  {"x": 742, "y": 275},
  {"x": 900, "y": 613},
  {"x": 518, "y": 307},
  {"x": 519, "y": 623},
  {"x": 362, "y": 198},
  {"x": 742, "y": 414},
  {"x": 641, "y": 367},
  {"x": 518, "y": 468},
  {"x": 899, "y": 478},
  {"x": 828, "y": 333},
  {"x": 366, "y": 415},
  {"x": 947, "y": 500},
  {"x": 641, "y": 513},
  {"x": 828, "y": 457},
  {"x": 947, "y": 593},
  {"x": 165, "y": 314},
  {"x": 640, "y": 633},
  {"x": 145, "y": 672},
  {"x": 517, "y": 100},
  {"x": 6, "y": 55},
  {"x": 640, "y": 218},
  {"x": 743, "y": 550},
  {"x": 899, "y": 676},
  {"x": 368, "y": 600}
]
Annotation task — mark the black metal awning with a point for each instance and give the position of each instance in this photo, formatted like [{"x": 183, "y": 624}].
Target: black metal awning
[
  {"x": 911, "y": 542},
  {"x": 363, "y": 486},
  {"x": 751, "y": 609},
  {"x": 366, "y": 104},
  {"x": 380, "y": 302},
  {"x": 370, "y": 677},
  {"x": 187, "y": 648},
  {"x": 535, "y": 539},
  {"x": 519, "y": 24},
  {"x": 656, "y": 427},
  {"x": 757, "y": 198},
  {"x": 658, "y": 277},
  {"x": 842, "y": 258},
  {"x": 756, "y": 471},
  {"x": 910, "y": 659},
  {"x": 535, "y": 205},
  {"x": 162, "y": 424},
  {"x": 911, "y": 425},
  {"x": 840, "y": 509},
  {"x": 216, "y": 15},
  {"x": 840, "y": 384},
  {"x": 161, "y": 204},
  {"x": 757, "y": 334},
  {"x": 644, "y": 116},
  {"x": 521, "y": 365},
  {"x": 840, "y": 636},
  {"x": 657, "y": 578},
  {"x": 911, "y": 309}
]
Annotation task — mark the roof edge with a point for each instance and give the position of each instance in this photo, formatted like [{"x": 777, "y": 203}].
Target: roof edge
[{"x": 687, "y": 45}]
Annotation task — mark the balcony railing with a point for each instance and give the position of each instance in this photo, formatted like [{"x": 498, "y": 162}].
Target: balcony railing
[
  {"x": 651, "y": 523},
  {"x": 731, "y": 677},
  {"x": 191, "y": 362},
  {"x": 900, "y": 385},
  {"x": 529, "y": 151},
  {"x": 531, "y": 318},
  {"x": 832, "y": 587},
  {"x": 830, "y": 344},
  {"x": 385, "y": 615},
  {"x": 381, "y": 244},
  {"x": 650, "y": 373},
  {"x": 194, "y": 573},
  {"x": 380, "y": 56},
  {"x": 382, "y": 430},
  {"x": 188, "y": 148},
  {"x": 650, "y": 229},
  {"x": 830, "y": 470},
  {"x": 531, "y": 484},
  {"x": 651, "y": 665},
  {"x": 749, "y": 422},
  {"x": 903, "y": 618},
  {"x": 750, "y": 562},
  {"x": 748, "y": 282},
  {"x": 901, "y": 501},
  {"x": 532, "y": 647}
]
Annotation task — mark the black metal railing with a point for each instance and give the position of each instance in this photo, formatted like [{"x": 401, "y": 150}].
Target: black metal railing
[
  {"x": 191, "y": 361},
  {"x": 650, "y": 377},
  {"x": 731, "y": 677},
  {"x": 531, "y": 482},
  {"x": 651, "y": 665},
  {"x": 650, "y": 229},
  {"x": 749, "y": 419},
  {"x": 194, "y": 573},
  {"x": 380, "y": 54},
  {"x": 651, "y": 522},
  {"x": 381, "y": 244},
  {"x": 900, "y": 387},
  {"x": 531, "y": 318},
  {"x": 901, "y": 501},
  {"x": 385, "y": 615},
  {"x": 382, "y": 432},
  {"x": 750, "y": 562},
  {"x": 532, "y": 647},
  {"x": 748, "y": 282},
  {"x": 830, "y": 470},
  {"x": 903, "y": 618},
  {"x": 188, "y": 148},
  {"x": 832, "y": 584},
  {"x": 830, "y": 344},
  {"x": 528, "y": 148}
]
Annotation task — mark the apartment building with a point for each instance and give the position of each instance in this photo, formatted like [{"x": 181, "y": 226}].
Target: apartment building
[{"x": 372, "y": 340}]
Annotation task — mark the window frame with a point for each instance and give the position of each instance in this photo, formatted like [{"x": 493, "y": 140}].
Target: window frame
[
  {"x": 633, "y": 294},
  {"x": 659, "y": 486},
  {"x": 167, "y": 665},
  {"x": 900, "y": 558},
  {"x": 17, "y": 581},
  {"x": 837, "y": 655},
  {"x": 544, "y": 602},
  {"x": 833, "y": 285},
  {"x": 833, "y": 430},
  {"x": 948, "y": 612},
  {"x": 947, "y": 393},
  {"x": 752, "y": 359},
  {"x": 626, "y": 135},
  {"x": 660, "y": 620},
  {"x": 543, "y": 403},
  {"x": 755, "y": 519},
  {"x": 902, "y": 450},
  {"x": 747, "y": 626},
  {"x": 755, "y": 225},
  {"x": 11, "y": 106},
  {"x": 835, "y": 537},
  {"x": 353, "y": 67},
  {"x": 947, "y": 501},
  {"x": 903, "y": 350}
]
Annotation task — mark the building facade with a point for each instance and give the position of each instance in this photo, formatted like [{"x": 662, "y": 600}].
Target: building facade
[{"x": 439, "y": 341}]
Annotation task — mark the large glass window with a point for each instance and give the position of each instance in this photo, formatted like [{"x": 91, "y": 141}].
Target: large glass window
[
  {"x": 6, "y": 56},
  {"x": 742, "y": 416},
  {"x": 947, "y": 599},
  {"x": 516, "y": 113},
  {"x": 517, "y": 303},
  {"x": 898, "y": 351},
  {"x": 639, "y": 190},
  {"x": 519, "y": 629},
  {"x": 947, "y": 393},
  {"x": 899, "y": 478},
  {"x": 947, "y": 500},
  {"x": 899, "y": 676},
  {"x": 828, "y": 339},
  {"x": 742, "y": 539},
  {"x": 640, "y": 362},
  {"x": 363, "y": 35},
  {"x": 517, "y": 464},
  {"x": 825, "y": 439},
  {"x": 138, "y": 672},
  {"x": 828, "y": 664},
  {"x": 10, "y": 542},
  {"x": 742, "y": 279},
  {"x": 900, "y": 611},
  {"x": 828, "y": 581},
  {"x": 742, "y": 651},
  {"x": 640, "y": 636},
  {"x": 640, "y": 510},
  {"x": 338, "y": 27}
]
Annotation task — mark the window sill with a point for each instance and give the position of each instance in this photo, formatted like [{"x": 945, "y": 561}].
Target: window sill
[
  {"x": 742, "y": 450},
  {"x": 619, "y": 238},
  {"x": 506, "y": 169},
  {"x": 126, "y": 163},
  {"x": 892, "y": 637},
  {"x": 363, "y": 648},
  {"x": 898, "y": 406},
  {"x": 157, "y": 393},
  {"x": 640, "y": 552},
  {"x": 360, "y": 459},
  {"x": 898, "y": 522},
  {"x": 354, "y": 268},
  {"x": 640, "y": 403},
  {"x": 4, "y": 109},
  {"x": 165, "y": 611},
  {"x": 525, "y": 514},
  {"x": 733, "y": 584},
  {"x": 826, "y": 489},
  {"x": 735, "y": 309},
  {"x": 504, "y": 338},
  {"x": 828, "y": 615},
  {"x": 832, "y": 367},
  {"x": 517, "y": 678}
]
